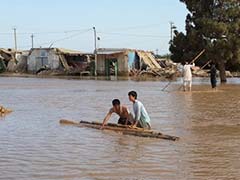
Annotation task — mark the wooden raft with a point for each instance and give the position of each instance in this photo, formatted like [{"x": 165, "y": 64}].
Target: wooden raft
[{"x": 124, "y": 129}]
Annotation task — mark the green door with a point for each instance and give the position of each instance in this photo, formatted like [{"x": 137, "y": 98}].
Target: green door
[{"x": 111, "y": 67}]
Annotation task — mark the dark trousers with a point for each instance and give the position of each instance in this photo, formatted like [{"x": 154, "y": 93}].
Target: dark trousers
[
  {"x": 214, "y": 82},
  {"x": 123, "y": 121}
]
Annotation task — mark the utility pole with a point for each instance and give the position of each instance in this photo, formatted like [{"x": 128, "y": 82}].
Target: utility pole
[
  {"x": 32, "y": 36},
  {"x": 172, "y": 27},
  {"x": 15, "y": 38},
  {"x": 95, "y": 49}
]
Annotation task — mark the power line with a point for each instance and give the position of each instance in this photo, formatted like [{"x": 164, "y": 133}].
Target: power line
[
  {"x": 133, "y": 35},
  {"x": 48, "y": 32},
  {"x": 50, "y": 43},
  {"x": 66, "y": 38},
  {"x": 77, "y": 30}
]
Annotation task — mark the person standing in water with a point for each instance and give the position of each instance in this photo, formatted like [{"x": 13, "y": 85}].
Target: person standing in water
[
  {"x": 187, "y": 76},
  {"x": 213, "y": 76}
]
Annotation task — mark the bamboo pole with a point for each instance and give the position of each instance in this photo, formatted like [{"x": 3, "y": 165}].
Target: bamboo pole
[
  {"x": 198, "y": 56},
  {"x": 206, "y": 64}
]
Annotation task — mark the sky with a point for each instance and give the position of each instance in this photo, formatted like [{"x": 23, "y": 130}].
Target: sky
[{"x": 135, "y": 24}]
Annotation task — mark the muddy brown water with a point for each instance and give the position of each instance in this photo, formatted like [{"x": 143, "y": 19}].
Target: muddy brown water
[{"x": 33, "y": 146}]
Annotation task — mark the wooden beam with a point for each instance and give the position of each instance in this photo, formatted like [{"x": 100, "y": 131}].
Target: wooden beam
[
  {"x": 124, "y": 129},
  {"x": 198, "y": 56}
]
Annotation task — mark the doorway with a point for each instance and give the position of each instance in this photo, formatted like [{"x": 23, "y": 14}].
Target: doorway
[{"x": 111, "y": 67}]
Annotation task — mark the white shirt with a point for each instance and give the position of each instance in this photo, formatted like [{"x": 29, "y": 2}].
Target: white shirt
[{"x": 141, "y": 114}]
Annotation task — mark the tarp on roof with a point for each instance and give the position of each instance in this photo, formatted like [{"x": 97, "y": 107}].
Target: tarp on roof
[{"x": 148, "y": 59}]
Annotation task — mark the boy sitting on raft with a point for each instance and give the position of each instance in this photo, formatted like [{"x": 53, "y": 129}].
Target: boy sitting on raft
[{"x": 141, "y": 119}]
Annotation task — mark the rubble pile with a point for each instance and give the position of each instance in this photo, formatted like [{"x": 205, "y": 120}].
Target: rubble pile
[
  {"x": 168, "y": 70},
  {"x": 171, "y": 70},
  {"x": 198, "y": 72},
  {"x": 12, "y": 61}
]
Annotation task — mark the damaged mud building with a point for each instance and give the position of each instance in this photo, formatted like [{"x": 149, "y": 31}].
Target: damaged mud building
[
  {"x": 47, "y": 61},
  {"x": 58, "y": 60},
  {"x": 13, "y": 61},
  {"x": 110, "y": 62},
  {"x": 130, "y": 62}
]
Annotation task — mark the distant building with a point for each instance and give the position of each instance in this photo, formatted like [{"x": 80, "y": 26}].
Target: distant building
[
  {"x": 57, "y": 59},
  {"x": 122, "y": 61}
]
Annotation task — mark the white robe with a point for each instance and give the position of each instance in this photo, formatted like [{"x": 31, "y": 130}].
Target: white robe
[{"x": 187, "y": 73}]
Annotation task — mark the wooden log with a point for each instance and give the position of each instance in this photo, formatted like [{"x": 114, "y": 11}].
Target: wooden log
[
  {"x": 126, "y": 130},
  {"x": 152, "y": 135},
  {"x": 113, "y": 125},
  {"x": 68, "y": 122},
  {"x": 64, "y": 62},
  {"x": 109, "y": 126}
]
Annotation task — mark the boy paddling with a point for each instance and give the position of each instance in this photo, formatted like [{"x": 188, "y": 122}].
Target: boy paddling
[{"x": 122, "y": 111}]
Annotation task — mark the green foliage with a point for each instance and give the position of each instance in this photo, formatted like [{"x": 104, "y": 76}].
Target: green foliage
[
  {"x": 164, "y": 56},
  {"x": 213, "y": 25}
]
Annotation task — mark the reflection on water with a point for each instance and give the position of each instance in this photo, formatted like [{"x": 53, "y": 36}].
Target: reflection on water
[{"x": 34, "y": 146}]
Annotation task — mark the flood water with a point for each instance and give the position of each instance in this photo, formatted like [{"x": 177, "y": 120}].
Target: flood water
[{"x": 34, "y": 146}]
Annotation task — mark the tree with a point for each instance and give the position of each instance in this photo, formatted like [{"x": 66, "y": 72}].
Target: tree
[{"x": 213, "y": 25}]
